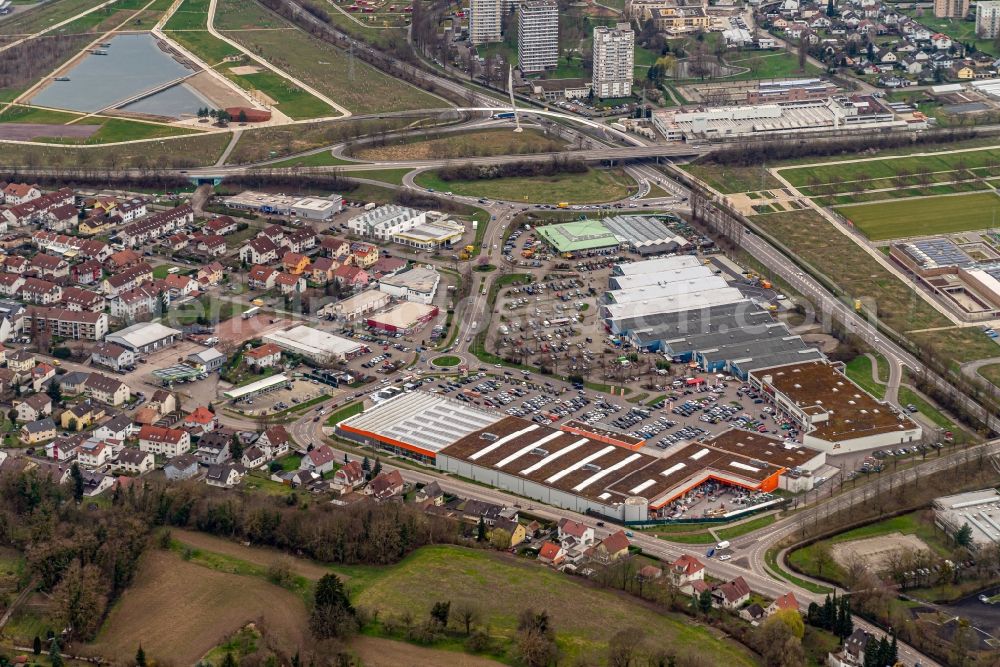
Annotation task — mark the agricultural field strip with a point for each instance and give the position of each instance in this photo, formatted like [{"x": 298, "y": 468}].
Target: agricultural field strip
[{"x": 866, "y": 169}]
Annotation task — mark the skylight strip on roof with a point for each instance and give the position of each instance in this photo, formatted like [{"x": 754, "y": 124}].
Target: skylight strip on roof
[
  {"x": 743, "y": 466},
  {"x": 607, "y": 471},
  {"x": 672, "y": 469},
  {"x": 642, "y": 487},
  {"x": 579, "y": 464},
  {"x": 553, "y": 456},
  {"x": 697, "y": 455},
  {"x": 527, "y": 448},
  {"x": 500, "y": 443}
]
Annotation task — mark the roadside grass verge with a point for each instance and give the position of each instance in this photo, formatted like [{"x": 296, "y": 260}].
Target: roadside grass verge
[
  {"x": 746, "y": 527},
  {"x": 859, "y": 370},
  {"x": 594, "y": 186}
]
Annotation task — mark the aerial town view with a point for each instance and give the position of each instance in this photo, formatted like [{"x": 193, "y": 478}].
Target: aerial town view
[{"x": 578, "y": 333}]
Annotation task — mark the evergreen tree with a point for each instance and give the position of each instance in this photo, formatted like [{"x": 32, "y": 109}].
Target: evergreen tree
[
  {"x": 377, "y": 470},
  {"x": 332, "y": 615},
  {"x": 883, "y": 651},
  {"x": 963, "y": 537},
  {"x": 77, "y": 476},
  {"x": 871, "y": 654},
  {"x": 230, "y": 660},
  {"x": 36, "y": 646},
  {"x": 829, "y": 614},
  {"x": 55, "y": 657},
  {"x": 846, "y": 621},
  {"x": 366, "y": 465},
  {"x": 893, "y": 656},
  {"x": 140, "y": 657},
  {"x": 440, "y": 612},
  {"x": 481, "y": 530}
]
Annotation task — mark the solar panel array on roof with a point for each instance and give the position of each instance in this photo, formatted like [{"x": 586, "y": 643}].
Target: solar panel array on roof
[{"x": 937, "y": 252}]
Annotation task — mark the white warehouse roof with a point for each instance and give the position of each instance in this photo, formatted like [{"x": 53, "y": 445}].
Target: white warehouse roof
[
  {"x": 142, "y": 334},
  {"x": 670, "y": 304},
  {"x": 254, "y": 387},
  {"x": 313, "y": 342},
  {"x": 657, "y": 265},
  {"x": 421, "y": 419}
]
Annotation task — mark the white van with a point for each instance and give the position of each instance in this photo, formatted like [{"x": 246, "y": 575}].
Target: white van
[{"x": 722, "y": 545}]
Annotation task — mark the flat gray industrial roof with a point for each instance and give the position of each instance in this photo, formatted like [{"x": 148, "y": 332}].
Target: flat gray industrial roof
[
  {"x": 708, "y": 319},
  {"x": 665, "y": 288},
  {"x": 764, "y": 346},
  {"x": 641, "y": 230}
]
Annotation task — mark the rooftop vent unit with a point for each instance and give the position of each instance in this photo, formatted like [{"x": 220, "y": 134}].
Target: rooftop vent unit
[
  {"x": 489, "y": 436},
  {"x": 539, "y": 451},
  {"x": 590, "y": 467}
]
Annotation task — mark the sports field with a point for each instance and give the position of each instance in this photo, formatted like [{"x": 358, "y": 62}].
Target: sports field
[{"x": 924, "y": 216}]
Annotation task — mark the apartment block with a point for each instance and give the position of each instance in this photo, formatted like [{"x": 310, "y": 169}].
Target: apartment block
[
  {"x": 614, "y": 60},
  {"x": 484, "y": 21},
  {"x": 538, "y": 36}
]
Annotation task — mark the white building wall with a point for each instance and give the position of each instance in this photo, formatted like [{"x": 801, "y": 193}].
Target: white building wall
[
  {"x": 484, "y": 21},
  {"x": 538, "y": 36},
  {"x": 614, "y": 60}
]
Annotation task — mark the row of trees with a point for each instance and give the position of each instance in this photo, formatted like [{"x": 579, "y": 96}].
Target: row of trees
[{"x": 474, "y": 172}]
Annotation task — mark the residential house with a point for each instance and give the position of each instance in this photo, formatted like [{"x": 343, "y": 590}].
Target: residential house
[
  {"x": 165, "y": 441},
  {"x": 38, "y": 431},
  {"x": 74, "y": 325},
  {"x": 275, "y": 442},
  {"x": 265, "y": 356},
  {"x": 181, "y": 467},
  {"x": 224, "y": 475},
  {"x": 852, "y": 652},
  {"x": 515, "y": 530},
  {"x": 582, "y": 533},
  {"x": 753, "y": 614},
  {"x": 321, "y": 270},
  {"x": 107, "y": 389},
  {"x": 21, "y": 362},
  {"x": 78, "y": 300},
  {"x": 11, "y": 283},
  {"x": 213, "y": 447},
  {"x": 210, "y": 274},
  {"x": 253, "y": 457},
  {"x": 81, "y": 416},
  {"x": 222, "y": 225},
  {"x": 118, "y": 427},
  {"x": 179, "y": 286},
  {"x": 262, "y": 277},
  {"x": 49, "y": 266},
  {"x": 96, "y": 483},
  {"x": 430, "y": 492},
  {"x": 364, "y": 255},
  {"x": 112, "y": 356},
  {"x": 551, "y": 554},
  {"x": 290, "y": 284},
  {"x": 33, "y": 407},
  {"x": 164, "y": 401},
  {"x": 212, "y": 245},
  {"x": 20, "y": 193},
  {"x": 57, "y": 473},
  {"x": 685, "y": 570},
  {"x": 350, "y": 276},
  {"x": 127, "y": 279},
  {"x": 15, "y": 264},
  {"x": 37, "y": 290},
  {"x": 64, "y": 449},
  {"x": 274, "y": 233},
  {"x": 385, "y": 485},
  {"x": 300, "y": 240},
  {"x": 121, "y": 260},
  {"x": 259, "y": 251},
  {"x": 156, "y": 226},
  {"x": 133, "y": 304},
  {"x": 611, "y": 548},
  {"x": 135, "y": 461},
  {"x": 41, "y": 374},
  {"x": 349, "y": 477},
  {"x": 72, "y": 383},
  {"x": 93, "y": 454},
  {"x": 732, "y": 594},
  {"x": 294, "y": 263},
  {"x": 335, "y": 248},
  {"x": 786, "y": 601},
  {"x": 320, "y": 460},
  {"x": 201, "y": 420}
]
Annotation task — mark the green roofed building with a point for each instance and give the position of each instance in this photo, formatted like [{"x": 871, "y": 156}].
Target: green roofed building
[{"x": 579, "y": 236}]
